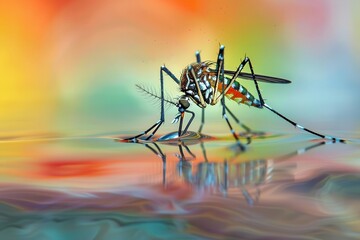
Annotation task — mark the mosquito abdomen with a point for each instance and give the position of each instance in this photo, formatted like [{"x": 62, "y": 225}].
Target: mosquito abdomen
[{"x": 241, "y": 95}]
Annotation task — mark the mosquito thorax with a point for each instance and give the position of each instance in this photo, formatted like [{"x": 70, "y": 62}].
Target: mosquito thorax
[{"x": 199, "y": 88}]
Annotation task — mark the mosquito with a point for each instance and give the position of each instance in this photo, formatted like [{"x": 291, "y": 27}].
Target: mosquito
[{"x": 208, "y": 83}]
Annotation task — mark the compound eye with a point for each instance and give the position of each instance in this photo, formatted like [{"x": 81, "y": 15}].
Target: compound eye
[{"x": 184, "y": 103}]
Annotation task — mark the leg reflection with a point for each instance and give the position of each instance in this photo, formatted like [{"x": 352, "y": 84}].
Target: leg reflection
[{"x": 157, "y": 150}]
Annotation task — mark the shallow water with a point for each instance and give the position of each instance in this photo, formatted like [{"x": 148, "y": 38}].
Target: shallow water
[{"x": 280, "y": 187}]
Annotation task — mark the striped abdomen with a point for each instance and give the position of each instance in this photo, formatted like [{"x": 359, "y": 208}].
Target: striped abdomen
[{"x": 240, "y": 95}]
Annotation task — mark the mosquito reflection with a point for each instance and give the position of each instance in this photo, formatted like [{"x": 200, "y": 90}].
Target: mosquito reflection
[{"x": 228, "y": 176}]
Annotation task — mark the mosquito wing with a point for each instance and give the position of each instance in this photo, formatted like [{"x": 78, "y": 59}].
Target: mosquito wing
[{"x": 260, "y": 78}]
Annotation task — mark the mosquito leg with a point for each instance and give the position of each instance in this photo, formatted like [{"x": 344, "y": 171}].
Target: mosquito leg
[
  {"x": 181, "y": 116},
  {"x": 198, "y": 60},
  {"x": 169, "y": 73},
  {"x": 201, "y": 142},
  {"x": 334, "y": 139},
  {"x": 219, "y": 69},
  {"x": 242, "y": 147},
  {"x": 201, "y": 97},
  {"x": 220, "y": 75},
  {"x": 134, "y": 138},
  {"x": 263, "y": 104},
  {"x": 157, "y": 125},
  {"x": 180, "y": 133},
  {"x": 246, "y": 128},
  {"x": 229, "y": 83},
  {"x": 202, "y": 120},
  {"x": 245, "y": 61},
  {"x": 162, "y": 115},
  {"x": 190, "y": 121}
]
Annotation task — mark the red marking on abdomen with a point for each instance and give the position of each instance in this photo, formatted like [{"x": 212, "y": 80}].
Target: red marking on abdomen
[
  {"x": 233, "y": 94},
  {"x": 237, "y": 96}
]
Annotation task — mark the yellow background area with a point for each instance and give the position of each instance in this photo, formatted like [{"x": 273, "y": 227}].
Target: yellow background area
[{"x": 26, "y": 89}]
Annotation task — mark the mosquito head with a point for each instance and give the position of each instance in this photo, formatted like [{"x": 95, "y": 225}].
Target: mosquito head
[{"x": 183, "y": 103}]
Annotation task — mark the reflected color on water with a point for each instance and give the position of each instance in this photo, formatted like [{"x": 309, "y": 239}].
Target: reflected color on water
[{"x": 281, "y": 187}]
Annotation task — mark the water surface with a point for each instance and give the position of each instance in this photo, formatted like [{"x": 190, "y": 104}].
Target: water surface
[{"x": 97, "y": 187}]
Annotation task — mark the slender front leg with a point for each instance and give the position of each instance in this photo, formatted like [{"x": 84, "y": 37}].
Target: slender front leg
[{"x": 157, "y": 125}]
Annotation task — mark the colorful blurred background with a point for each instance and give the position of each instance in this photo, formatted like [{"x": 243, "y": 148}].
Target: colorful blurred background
[
  {"x": 70, "y": 67},
  {"x": 68, "y": 70}
]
